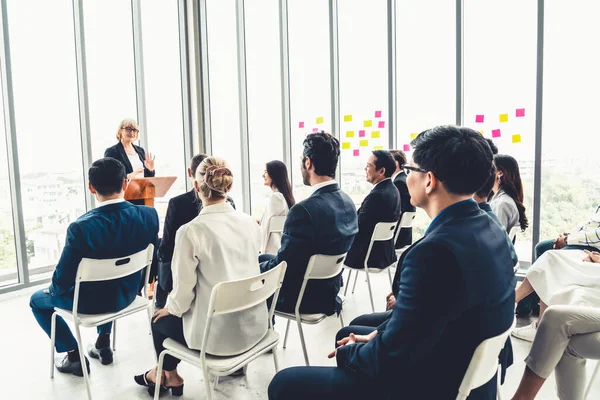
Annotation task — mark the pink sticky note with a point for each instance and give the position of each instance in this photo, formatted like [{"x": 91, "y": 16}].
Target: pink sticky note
[
  {"x": 301, "y": 124},
  {"x": 361, "y": 133},
  {"x": 479, "y": 118},
  {"x": 356, "y": 153},
  {"x": 377, "y": 114},
  {"x": 520, "y": 112},
  {"x": 381, "y": 124},
  {"x": 315, "y": 130},
  {"x": 406, "y": 147},
  {"x": 495, "y": 133}
]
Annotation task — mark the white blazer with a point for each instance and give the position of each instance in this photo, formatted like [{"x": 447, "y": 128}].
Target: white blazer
[
  {"x": 220, "y": 244},
  {"x": 276, "y": 206}
]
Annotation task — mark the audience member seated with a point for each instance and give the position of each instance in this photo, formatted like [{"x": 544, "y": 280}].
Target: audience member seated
[
  {"x": 218, "y": 245},
  {"x": 278, "y": 204},
  {"x": 507, "y": 201},
  {"x": 115, "y": 228},
  {"x": 482, "y": 195},
  {"x": 324, "y": 223},
  {"x": 399, "y": 179},
  {"x": 181, "y": 210},
  {"x": 560, "y": 278},
  {"x": 382, "y": 204},
  {"x": 456, "y": 289}
]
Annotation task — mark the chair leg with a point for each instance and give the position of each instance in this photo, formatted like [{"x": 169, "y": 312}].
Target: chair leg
[
  {"x": 341, "y": 319},
  {"x": 370, "y": 292},
  {"x": 114, "y": 335},
  {"x": 216, "y": 382},
  {"x": 86, "y": 378},
  {"x": 303, "y": 342},
  {"x": 159, "y": 368},
  {"x": 499, "y": 376},
  {"x": 275, "y": 360},
  {"x": 287, "y": 329},
  {"x": 206, "y": 384},
  {"x": 348, "y": 282},
  {"x": 355, "y": 279},
  {"x": 390, "y": 276},
  {"x": 592, "y": 379},
  {"x": 52, "y": 344}
]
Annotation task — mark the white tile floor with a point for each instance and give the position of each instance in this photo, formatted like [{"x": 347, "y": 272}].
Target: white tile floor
[{"x": 24, "y": 365}]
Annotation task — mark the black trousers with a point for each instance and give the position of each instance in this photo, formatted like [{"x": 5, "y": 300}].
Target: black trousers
[{"x": 168, "y": 327}]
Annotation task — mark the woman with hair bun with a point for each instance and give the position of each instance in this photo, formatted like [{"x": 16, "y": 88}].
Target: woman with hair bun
[{"x": 220, "y": 244}]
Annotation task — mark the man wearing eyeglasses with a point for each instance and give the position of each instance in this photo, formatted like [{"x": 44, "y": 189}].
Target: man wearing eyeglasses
[{"x": 454, "y": 288}]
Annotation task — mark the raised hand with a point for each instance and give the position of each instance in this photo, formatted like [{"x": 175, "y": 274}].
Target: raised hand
[{"x": 149, "y": 161}]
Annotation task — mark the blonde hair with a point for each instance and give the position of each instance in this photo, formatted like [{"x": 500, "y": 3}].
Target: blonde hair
[
  {"x": 214, "y": 178},
  {"x": 125, "y": 123}
]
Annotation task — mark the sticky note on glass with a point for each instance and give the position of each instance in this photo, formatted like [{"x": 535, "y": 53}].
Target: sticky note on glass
[
  {"x": 503, "y": 117},
  {"x": 495, "y": 133},
  {"x": 479, "y": 118},
  {"x": 349, "y": 134},
  {"x": 375, "y": 134},
  {"x": 345, "y": 145},
  {"x": 361, "y": 133},
  {"x": 520, "y": 112},
  {"x": 356, "y": 153},
  {"x": 406, "y": 147},
  {"x": 364, "y": 143},
  {"x": 516, "y": 138},
  {"x": 377, "y": 114},
  {"x": 368, "y": 123},
  {"x": 320, "y": 120},
  {"x": 347, "y": 118},
  {"x": 300, "y": 124},
  {"x": 480, "y": 132},
  {"x": 315, "y": 130},
  {"x": 413, "y": 136},
  {"x": 381, "y": 124},
  {"x": 378, "y": 148}
]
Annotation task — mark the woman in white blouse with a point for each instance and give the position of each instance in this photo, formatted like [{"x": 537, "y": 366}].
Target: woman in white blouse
[
  {"x": 220, "y": 244},
  {"x": 279, "y": 203},
  {"x": 507, "y": 201}
]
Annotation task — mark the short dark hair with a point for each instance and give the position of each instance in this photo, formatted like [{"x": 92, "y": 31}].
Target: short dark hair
[
  {"x": 106, "y": 175},
  {"x": 459, "y": 157},
  {"x": 399, "y": 156},
  {"x": 487, "y": 187},
  {"x": 383, "y": 159},
  {"x": 492, "y": 146},
  {"x": 196, "y": 160},
  {"x": 323, "y": 151}
]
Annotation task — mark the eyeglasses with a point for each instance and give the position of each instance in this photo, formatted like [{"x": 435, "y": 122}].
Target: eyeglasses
[
  {"x": 130, "y": 129},
  {"x": 407, "y": 168}
]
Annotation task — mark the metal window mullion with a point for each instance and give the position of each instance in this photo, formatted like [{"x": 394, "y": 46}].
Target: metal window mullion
[
  {"x": 138, "y": 61},
  {"x": 12, "y": 150},
  {"x": 243, "y": 102},
  {"x": 202, "y": 74},
  {"x": 284, "y": 54},
  {"x": 188, "y": 141},
  {"x": 335, "y": 75},
  {"x": 392, "y": 82},
  {"x": 82, "y": 97},
  {"x": 460, "y": 98}
]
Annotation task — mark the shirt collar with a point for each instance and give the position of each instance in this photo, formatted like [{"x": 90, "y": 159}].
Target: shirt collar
[
  {"x": 384, "y": 179},
  {"x": 323, "y": 184},
  {"x": 396, "y": 174},
  {"x": 217, "y": 208},
  {"x": 108, "y": 202}
]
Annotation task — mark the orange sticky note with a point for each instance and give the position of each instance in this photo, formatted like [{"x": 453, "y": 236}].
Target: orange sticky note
[
  {"x": 345, "y": 145},
  {"x": 349, "y": 134},
  {"x": 503, "y": 117},
  {"x": 375, "y": 134},
  {"x": 368, "y": 123},
  {"x": 320, "y": 120},
  {"x": 378, "y": 148},
  {"x": 413, "y": 136},
  {"x": 516, "y": 138},
  {"x": 347, "y": 118},
  {"x": 364, "y": 143}
]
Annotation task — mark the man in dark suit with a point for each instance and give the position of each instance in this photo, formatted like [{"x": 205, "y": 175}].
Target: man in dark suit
[
  {"x": 382, "y": 204},
  {"x": 115, "y": 228},
  {"x": 399, "y": 179},
  {"x": 324, "y": 223},
  {"x": 181, "y": 210},
  {"x": 454, "y": 289}
]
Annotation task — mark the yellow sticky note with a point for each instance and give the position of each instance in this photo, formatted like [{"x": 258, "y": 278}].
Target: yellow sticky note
[
  {"x": 364, "y": 143},
  {"x": 347, "y": 118},
  {"x": 345, "y": 145},
  {"x": 516, "y": 138},
  {"x": 349, "y": 134},
  {"x": 480, "y": 132},
  {"x": 413, "y": 136},
  {"x": 320, "y": 120},
  {"x": 503, "y": 117},
  {"x": 378, "y": 148},
  {"x": 368, "y": 123},
  {"x": 375, "y": 134}
]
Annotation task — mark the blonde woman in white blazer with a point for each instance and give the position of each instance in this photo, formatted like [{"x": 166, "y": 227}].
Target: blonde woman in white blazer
[
  {"x": 279, "y": 203},
  {"x": 220, "y": 244}
]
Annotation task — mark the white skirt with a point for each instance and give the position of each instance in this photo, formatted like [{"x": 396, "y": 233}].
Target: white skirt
[{"x": 561, "y": 277}]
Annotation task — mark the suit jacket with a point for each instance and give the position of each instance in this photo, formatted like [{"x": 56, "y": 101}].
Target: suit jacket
[
  {"x": 110, "y": 231},
  {"x": 405, "y": 236},
  {"x": 118, "y": 152},
  {"x": 456, "y": 289},
  {"x": 324, "y": 223},
  {"x": 382, "y": 204}
]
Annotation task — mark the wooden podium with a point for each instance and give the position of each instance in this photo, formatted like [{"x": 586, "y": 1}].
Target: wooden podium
[{"x": 148, "y": 189}]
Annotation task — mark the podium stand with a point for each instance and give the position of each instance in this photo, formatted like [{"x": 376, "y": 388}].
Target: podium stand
[{"x": 148, "y": 189}]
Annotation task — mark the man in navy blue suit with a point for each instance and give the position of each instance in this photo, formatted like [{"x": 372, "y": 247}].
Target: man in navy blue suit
[
  {"x": 115, "y": 228},
  {"x": 324, "y": 223},
  {"x": 454, "y": 288}
]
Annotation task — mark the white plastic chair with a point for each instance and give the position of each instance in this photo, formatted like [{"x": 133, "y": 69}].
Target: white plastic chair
[
  {"x": 92, "y": 270},
  {"x": 319, "y": 267},
  {"x": 276, "y": 224},
  {"x": 406, "y": 221},
  {"x": 484, "y": 364},
  {"x": 383, "y": 231},
  {"x": 513, "y": 239},
  {"x": 592, "y": 380},
  {"x": 226, "y": 298}
]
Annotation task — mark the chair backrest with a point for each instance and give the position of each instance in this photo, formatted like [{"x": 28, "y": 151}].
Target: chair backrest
[
  {"x": 383, "y": 231},
  {"x": 93, "y": 270},
  {"x": 276, "y": 224},
  {"x": 320, "y": 266},
  {"x": 484, "y": 363},
  {"x": 406, "y": 221},
  {"x": 513, "y": 234}
]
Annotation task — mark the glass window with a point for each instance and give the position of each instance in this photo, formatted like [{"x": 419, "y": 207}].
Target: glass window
[
  {"x": 110, "y": 70},
  {"x": 499, "y": 93},
  {"x": 570, "y": 168},
  {"x": 8, "y": 259},
  {"x": 425, "y": 74},
  {"x": 162, "y": 74},
  {"x": 310, "y": 82},
  {"x": 224, "y": 95},
  {"x": 263, "y": 67},
  {"x": 47, "y": 122}
]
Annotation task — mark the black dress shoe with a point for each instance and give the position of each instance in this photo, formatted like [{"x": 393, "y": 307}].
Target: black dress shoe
[
  {"x": 72, "y": 367},
  {"x": 105, "y": 354}
]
